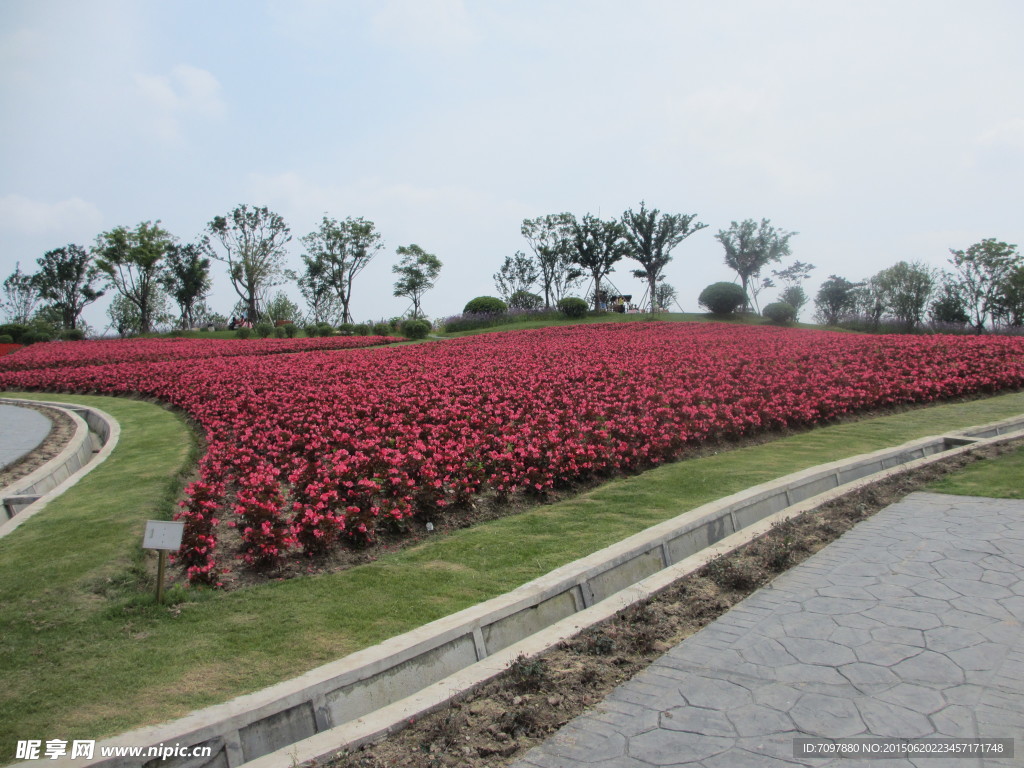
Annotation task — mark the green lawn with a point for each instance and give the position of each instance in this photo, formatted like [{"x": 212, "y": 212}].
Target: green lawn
[
  {"x": 89, "y": 654},
  {"x": 1000, "y": 478}
]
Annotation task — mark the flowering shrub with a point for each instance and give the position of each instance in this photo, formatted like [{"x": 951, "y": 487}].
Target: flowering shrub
[{"x": 309, "y": 450}]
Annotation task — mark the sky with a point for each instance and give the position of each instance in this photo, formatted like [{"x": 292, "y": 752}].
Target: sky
[{"x": 879, "y": 131}]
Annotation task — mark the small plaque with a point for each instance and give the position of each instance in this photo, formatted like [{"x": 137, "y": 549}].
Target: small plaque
[{"x": 161, "y": 534}]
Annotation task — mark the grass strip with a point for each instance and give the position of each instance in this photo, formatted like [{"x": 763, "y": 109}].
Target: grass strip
[
  {"x": 89, "y": 654},
  {"x": 999, "y": 478}
]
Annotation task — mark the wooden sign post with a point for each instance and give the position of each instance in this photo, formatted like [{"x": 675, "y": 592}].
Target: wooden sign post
[{"x": 166, "y": 537}]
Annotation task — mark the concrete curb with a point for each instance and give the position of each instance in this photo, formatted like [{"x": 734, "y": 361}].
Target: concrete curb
[
  {"x": 374, "y": 691},
  {"x": 96, "y": 435}
]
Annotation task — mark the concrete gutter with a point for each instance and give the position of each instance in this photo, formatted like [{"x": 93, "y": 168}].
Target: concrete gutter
[
  {"x": 96, "y": 434},
  {"x": 370, "y": 693}
]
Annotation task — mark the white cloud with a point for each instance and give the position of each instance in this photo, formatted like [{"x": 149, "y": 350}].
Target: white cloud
[
  {"x": 66, "y": 218},
  {"x": 188, "y": 92}
]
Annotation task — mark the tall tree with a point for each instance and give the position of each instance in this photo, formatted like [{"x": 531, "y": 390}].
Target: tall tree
[
  {"x": 252, "y": 242},
  {"x": 67, "y": 279},
  {"x": 549, "y": 238},
  {"x": 651, "y": 236},
  {"x": 904, "y": 290},
  {"x": 519, "y": 273},
  {"x": 750, "y": 247},
  {"x": 187, "y": 279},
  {"x": 132, "y": 260},
  {"x": 20, "y": 296},
  {"x": 948, "y": 307},
  {"x": 416, "y": 272},
  {"x": 342, "y": 250},
  {"x": 982, "y": 268},
  {"x": 318, "y": 291},
  {"x": 1011, "y": 298},
  {"x": 596, "y": 246}
]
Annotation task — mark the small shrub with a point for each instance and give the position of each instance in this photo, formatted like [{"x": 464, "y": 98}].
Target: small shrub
[
  {"x": 722, "y": 298},
  {"x": 6, "y": 338},
  {"x": 485, "y": 305},
  {"x": 324, "y": 329},
  {"x": 381, "y": 329},
  {"x": 72, "y": 334},
  {"x": 362, "y": 329},
  {"x": 346, "y": 329},
  {"x": 525, "y": 300},
  {"x": 280, "y": 332},
  {"x": 244, "y": 333},
  {"x": 415, "y": 329},
  {"x": 291, "y": 330},
  {"x": 572, "y": 307},
  {"x": 34, "y": 336},
  {"x": 780, "y": 313},
  {"x": 263, "y": 330}
]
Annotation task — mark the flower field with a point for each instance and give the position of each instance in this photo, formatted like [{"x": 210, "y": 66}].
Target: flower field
[
  {"x": 306, "y": 451},
  {"x": 6, "y": 349}
]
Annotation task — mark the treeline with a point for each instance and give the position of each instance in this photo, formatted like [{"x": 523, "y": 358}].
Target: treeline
[
  {"x": 147, "y": 268},
  {"x": 983, "y": 292}
]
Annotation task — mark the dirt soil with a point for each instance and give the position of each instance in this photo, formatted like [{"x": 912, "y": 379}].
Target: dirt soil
[
  {"x": 61, "y": 432},
  {"x": 500, "y": 720}
]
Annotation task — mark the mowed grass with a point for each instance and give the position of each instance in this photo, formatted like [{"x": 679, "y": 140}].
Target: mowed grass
[
  {"x": 89, "y": 654},
  {"x": 1000, "y": 478}
]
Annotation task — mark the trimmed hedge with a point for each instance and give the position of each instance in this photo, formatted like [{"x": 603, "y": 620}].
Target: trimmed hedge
[
  {"x": 573, "y": 307},
  {"x": 722, "y": 298},
  {"x": 485, "y": 305}
]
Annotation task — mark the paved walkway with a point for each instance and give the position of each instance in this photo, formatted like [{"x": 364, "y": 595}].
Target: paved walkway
[
  {"x": 908, "y": 626},
  {"x": 21, "y": 432}
]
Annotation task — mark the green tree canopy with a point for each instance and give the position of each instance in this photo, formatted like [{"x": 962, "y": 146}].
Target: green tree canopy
[
  {"x": 595, "y": 247},
  {"x": 20, "y": 296},
  {"x": 186, "y": 278},
  {"x": 549, "y": 238},
  {"x": 835, "y": 300},
  {"x": 416, "y": 272},
  {"x": 336, "y": 253},
  {"x": 750, "y": 247},
  {"x": 67, "y": 280},
  {"x": 904, "y": 291},
  {"x": 651, "y": 236},
  {"x": 252, "y": 243},
  {"x": 518, "y": 274},
  {"x": 132, "y": 260},
  {"x": 982, "y": 268}
]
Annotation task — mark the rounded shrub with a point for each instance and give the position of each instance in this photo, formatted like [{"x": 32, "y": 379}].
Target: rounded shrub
[
  {"x": 244, "y": 332},
  {"x": 280, "y": 332},
  {"x": 14, "y": 330},
  {"x": 6, "y": 338},
  {"x": 382, "y": 329},
  {"x": 525, "y": 300},
  {"x": 291, "y": 330},
  {"x": 346, "y": 329},
  {"x": 362, "y": 329},
  {"x": 485, "y": 305},
  {"x": 780, "y": 312},
  {"x": 324, "y": 329},
  {"x": 722, "y": 298},
  {"x": 415, "y": 329},
  {"x": 264, "y": 330},
  {"x": 572, "y": 307},
  {"x": 72, "y": 334}
]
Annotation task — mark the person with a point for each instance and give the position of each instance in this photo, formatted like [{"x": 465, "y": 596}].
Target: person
[{"x": 233, "y": 324}]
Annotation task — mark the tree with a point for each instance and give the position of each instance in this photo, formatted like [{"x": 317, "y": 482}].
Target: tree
[
  {"x": 253, "y": 242},
  {"x": 341, "y": 251},
  {"x": 549, "y": 238},
  {"x": 518, "y": 274},
  {"x": 595, "y": 247},
  {"x": 280, "y": 309},
  {"x": 982, "y": 268},
  {"x": 20, "y": 296},
  {"x": 948, "y": 307},
  {"x": 750, "y": 247},
  {"x": 1011, "y": 298},
  {"x": 321, "y": 298},
  {"x": 835, "y": 300},
  {"x": 904, "y": 290},
  {"x": 186, "y": 278},
  {"x": 132, "y": 260},
  {"x": 665, "y": 295},
  {"x": 126, "y": 318},
  {"x": 67, "y": 280},
  {"x": 790, "y": 277},
  {"x": 651, "y": 236},
  {"x": 795, "y": 296},
  {"x": 416, "y": 272}
]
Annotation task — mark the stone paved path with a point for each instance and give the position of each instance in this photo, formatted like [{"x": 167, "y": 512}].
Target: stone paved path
[
  {"x": 908, "y": 626},
  {"x": 21, "y": 432}
]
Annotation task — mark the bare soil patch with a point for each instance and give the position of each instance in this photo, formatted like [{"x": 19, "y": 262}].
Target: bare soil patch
[
  {"x": 61, "y": 432},
  {"x": 497, "y": 722}
]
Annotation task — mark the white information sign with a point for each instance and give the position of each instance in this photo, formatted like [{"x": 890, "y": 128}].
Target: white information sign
[{"x": 161, "y": 534}]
